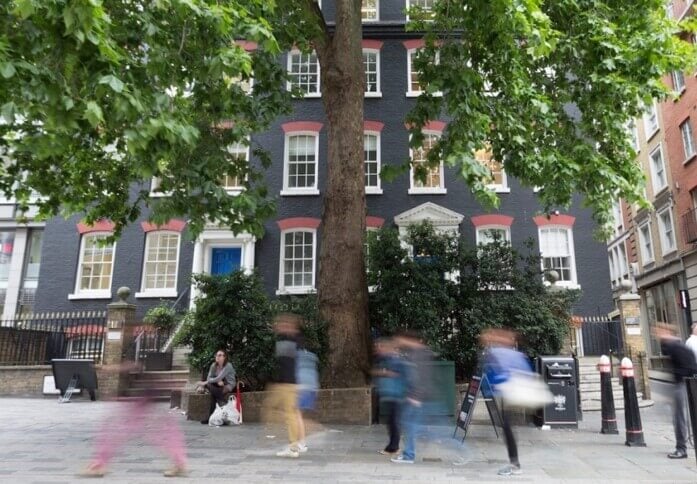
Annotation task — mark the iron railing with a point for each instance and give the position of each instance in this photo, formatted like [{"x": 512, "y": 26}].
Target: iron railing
[
  {"x": 39, "y": 338},
  {"x": 689, "y": 226}
]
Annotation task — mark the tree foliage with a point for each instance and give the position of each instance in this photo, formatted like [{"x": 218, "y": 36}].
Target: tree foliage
[{"x": 450, "y": 292}]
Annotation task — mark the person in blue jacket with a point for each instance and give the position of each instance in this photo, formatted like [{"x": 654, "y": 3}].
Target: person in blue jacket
[{"x": 391, "y": 386}]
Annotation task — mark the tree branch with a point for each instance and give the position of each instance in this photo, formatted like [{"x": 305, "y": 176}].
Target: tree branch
[{"x": 323, "y": 39}]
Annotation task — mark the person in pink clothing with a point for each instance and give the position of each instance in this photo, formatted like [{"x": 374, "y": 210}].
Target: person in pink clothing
[{"x": 135, "y": 418}]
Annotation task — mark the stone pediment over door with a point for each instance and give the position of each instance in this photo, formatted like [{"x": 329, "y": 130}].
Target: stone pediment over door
[{"x": 441, "y": 218}]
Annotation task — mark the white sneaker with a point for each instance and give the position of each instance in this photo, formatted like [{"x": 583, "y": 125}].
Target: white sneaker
[
  {"x": 400, "y": 459},
  {"x": 288, "y": 453},
  {"x": 510, "y": 470},
  {"x": 302, "y": 448}
]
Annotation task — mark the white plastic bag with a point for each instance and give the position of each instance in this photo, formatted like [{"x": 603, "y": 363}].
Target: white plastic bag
[
  {"x": 525, "y": 389},
  {"x": 230, "y": 413},
  {"x": 217, "y": 418}
]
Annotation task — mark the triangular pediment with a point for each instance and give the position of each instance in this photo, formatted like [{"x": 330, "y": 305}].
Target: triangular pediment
[{"x": 437, "y": 215}]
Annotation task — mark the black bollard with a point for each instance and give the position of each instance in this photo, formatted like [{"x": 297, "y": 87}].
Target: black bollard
[
  {"x": 691, "y": 385},
  {"x": 607, "y": 400},
  {"x": 632, "y": 418}
]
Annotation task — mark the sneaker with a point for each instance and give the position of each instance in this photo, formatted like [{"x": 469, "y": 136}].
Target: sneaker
[
  {"x": 288, "y": 453},
  {"x": 678, "y": 454},
  {"x": 510, "y": 470},
  {"x": 302, "y": 448},
  {"x": 400, "y": 459},
  {"x": 93, "y": 470},
  {"x": 177, "y": 471}
]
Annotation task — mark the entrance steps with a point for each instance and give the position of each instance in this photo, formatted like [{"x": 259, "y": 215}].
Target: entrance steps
[
  {"x": 156, "y": 384},
  {"x": 589, "y": 382}
]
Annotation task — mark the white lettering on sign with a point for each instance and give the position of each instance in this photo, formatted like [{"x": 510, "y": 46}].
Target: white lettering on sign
[
  {"x": 113, "y": 335},
  {"x": 560, "y": 402}
]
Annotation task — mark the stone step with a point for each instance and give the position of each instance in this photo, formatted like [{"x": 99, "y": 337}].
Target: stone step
[
  {"x": 179, "y": 357},
  {"x": 157, "y": 398},
  {"x": 156, "y": 393},
  {"x": 160, "y": 375},
  {"x": 588, "y": 386},
  {"x": 616, "y": 394},
  {"x": 171, "y": 384},
  {"x": 594, "y": 406}
]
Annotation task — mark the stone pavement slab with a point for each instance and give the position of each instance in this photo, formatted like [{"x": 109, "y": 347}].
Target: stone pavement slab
[{"x": 43, "y": 441}]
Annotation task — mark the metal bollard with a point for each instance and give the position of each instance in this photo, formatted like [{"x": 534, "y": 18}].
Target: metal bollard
[
  {"x": 607, "y": 400},
  {"x": 632, "y": 418}
]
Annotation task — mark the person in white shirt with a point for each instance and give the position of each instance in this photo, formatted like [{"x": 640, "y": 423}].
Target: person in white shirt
[{"x": 692, "y": 340}]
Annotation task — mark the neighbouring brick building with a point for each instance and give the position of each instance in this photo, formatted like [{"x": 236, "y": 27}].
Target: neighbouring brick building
[{"x": 77, "y": 273}]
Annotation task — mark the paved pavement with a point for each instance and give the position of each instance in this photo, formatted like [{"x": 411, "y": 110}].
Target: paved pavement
[{"x": 43, "y": 441}]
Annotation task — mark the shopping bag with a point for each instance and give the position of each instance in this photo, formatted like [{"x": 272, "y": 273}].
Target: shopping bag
[
  {"x": 230, "y": 413},
  {"x": 217, "y": 418},
  {"x": 525, "y": 389}
]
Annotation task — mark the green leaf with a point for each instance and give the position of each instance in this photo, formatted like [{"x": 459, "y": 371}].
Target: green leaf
[
  {"x": 24, "y": 8},
  {"x": 114, "y": 83},
  {"x": 93, "y": 114},
  {"x": 7, "y": 70}
]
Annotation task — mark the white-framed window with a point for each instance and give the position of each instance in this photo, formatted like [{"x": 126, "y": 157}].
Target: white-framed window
[
  {"x": 651, "y": 120},
  {"x": 160, "y": 264},
  {"x": 434, "y": 182},
  {"x": 297, "y": 267},
  {"x": 557, "y": 250},
  {"x": 646, "y": 243},
  {"x": 678, "y": 81},
  {"x": 634, "y": 135},
  {"x": 233, "y": 183},
  {"x": 658, "y": 170},
  {"x": 667, "y": 231},
  {"x": 371, "y": 162},
  {"x": 618, "y": 222},
  {"x": 486, "y": 234},
  {"x": 95, "y": 267},
  {"x": 688, "y": 143},
  {"x": 498, "y": 181},
  {"x": 426, "y": 7},
  {"x": 300, "y": 164},
  {"x": 414, "y": 87},
  {"x": 371, "y": 67},
  {"x": 370, "y": 10},
  {"x": 619, "y": 267},
  {"x": 303, "y": 70}
]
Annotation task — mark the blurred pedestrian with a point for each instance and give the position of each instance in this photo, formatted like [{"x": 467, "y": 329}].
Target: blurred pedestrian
[
  {"x": 683, "y": 364},
  {"x": 390, "y": 375},
  {"x": 134, "y": 418},
  {"x": 283, "y": 394},
  {"x": 500, "y": 359},
  {"x": 220, "y": 381},
  {"x": 692, "y": 340},
  {"x": 419, "y": 393},
  {"x": 307, "y": 379}
]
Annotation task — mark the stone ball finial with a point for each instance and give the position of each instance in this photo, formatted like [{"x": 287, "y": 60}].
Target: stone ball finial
[
  {"x": 626, "y": 285},
  {"x": 123, "y": 292},
  {"x": 551, "y": 276}
]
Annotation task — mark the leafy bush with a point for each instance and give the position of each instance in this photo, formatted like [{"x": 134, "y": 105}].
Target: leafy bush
[
  {"x": 232, "y": 312},
  {"x": 450, "y": 292},
  {"x": 162, "y": 317}
]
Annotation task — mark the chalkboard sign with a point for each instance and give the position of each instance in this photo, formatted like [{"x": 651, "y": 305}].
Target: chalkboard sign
[{"x": 478, "y": 385}]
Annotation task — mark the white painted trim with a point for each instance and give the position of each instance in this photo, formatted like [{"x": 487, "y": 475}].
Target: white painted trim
[
  {"x": 573, "y": 283},
  {"x": 378, "y": 67},
  {"x": 282, "y": 289},
  {"x": 92, "y": 294},
  {"x": 159, "y": 293},
  {"x": 661, "y": 230},
  {"x": 378, "y": 146},
  {"x": 292, "y": 192},
  {"x": 377, "y": 11},
  {"x": 648, "y": 132},
  {"x": 289, "y": 87},
  {"x": 288, "y": 191},
  {"x": 481, "y": 228},
  {"x": 654, "y": 181},
  {"x": 441, "y": 190}
]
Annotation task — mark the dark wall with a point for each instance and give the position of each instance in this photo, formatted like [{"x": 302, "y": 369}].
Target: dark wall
[{"x": 61, "y": 244}]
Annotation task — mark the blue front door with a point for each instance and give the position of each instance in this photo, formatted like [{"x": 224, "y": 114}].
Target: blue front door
[{"x": 225, "y": 260}]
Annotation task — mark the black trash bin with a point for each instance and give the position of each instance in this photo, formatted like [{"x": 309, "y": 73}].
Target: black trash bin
[{"x": 559, "y": 372}]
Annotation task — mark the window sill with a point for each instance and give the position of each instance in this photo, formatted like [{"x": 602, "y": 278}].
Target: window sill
[
  {"x": 233, "y": 192},
  {"x": 295, "y": 291},
  {"x": 499, "y": 189},
  {"x": 690, "y": 158},
  {"x": 679, "y": 94},
  {"x": 161, "y": 293},
  {"x": 299, "y": 193},
  {"x": 427, "y": 191},
  {"x": 419, "y": 93},
  {"x": 670, "y": 252},
  {"x": 647, "y": 263},
  {"x": 648, "y": 137},
  {"x": 373, "y": 191},
  {"x": 658, "y": 191},
  {"x": 373, "y": 94},
  {"x": 316, "y": 95},
  {"x": 159, "y": 194},
  {"x": 89, "y": 295}
]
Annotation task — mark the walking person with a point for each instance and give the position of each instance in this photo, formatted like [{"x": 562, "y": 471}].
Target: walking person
[
  {"x": 283, "y": 394},
  {"x": 138, "y": 417},
  {"x": 692, "y": 340},
  {"x": 390, "y": 383},
  {"x": 500, "y": 360},
  {"x": 683, "y": 363},
  {"x": 307, "y": 379},
  {"x": 220, "y": 381},
  {"x": 418, "y": 395}
]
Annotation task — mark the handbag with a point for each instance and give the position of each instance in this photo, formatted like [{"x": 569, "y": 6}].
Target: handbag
[{"x": 525, "y": 389}]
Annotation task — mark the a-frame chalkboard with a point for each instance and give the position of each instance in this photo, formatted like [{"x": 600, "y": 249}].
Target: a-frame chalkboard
[{"x": 479, "y": 384}]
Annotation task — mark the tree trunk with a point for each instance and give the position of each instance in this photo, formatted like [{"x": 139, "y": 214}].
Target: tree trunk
[{"x": 342, "y": 287}]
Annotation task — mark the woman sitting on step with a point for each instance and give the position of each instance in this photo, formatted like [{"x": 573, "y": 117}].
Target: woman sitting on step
[{"x": 220, "y": 382}]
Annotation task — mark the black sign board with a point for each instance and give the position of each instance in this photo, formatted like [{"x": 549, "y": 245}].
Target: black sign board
[{"x": 479, "y": 384}]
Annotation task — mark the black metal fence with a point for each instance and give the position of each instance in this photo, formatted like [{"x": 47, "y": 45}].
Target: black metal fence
[
  {"x": 601, "y": 336},
  {"x": 38, "y": 339}
]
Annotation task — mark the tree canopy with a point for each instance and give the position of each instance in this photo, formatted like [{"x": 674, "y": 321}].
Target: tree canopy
[{"x": 96, "y": 97}]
